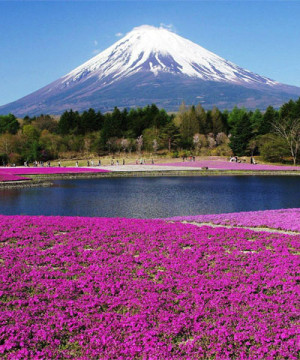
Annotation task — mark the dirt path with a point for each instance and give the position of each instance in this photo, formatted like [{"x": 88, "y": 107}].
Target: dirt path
[{"x": 270, "y": 230}]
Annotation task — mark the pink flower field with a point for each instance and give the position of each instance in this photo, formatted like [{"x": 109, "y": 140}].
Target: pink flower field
[
  {"x": 11, "y": 177},
  {"x": 226, "y": 165},
  {"x": 11, "y": 173},
  {"x": 283, "y": 219},
  {"x": 100, "y": 288}
]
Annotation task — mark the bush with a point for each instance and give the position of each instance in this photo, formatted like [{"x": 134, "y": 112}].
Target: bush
[{"x": 273, "y": 148}]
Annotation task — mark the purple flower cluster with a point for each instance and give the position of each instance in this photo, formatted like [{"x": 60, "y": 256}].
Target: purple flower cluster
[
  {"x": 11, "y": 177},
  {"x": 226, "y": 165},
  {"x": 12, "y": 173},
  {"x": 100, "y": 288},
  {"x": 283, "y": 219}
]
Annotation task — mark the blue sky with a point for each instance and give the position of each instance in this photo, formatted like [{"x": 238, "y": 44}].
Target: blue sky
[{"x": 41, "y": 41}]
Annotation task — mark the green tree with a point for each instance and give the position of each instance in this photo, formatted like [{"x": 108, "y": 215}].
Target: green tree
[
  {"x": 217, "y": 121},
  {"x": 241, "y": 133},
  {"x": 170, "y": 136},
  {"x": 189, "y": 126},
  {"x": 9, "y": 123},
  {"x": 256, "y": 119},
  {"x": 68, "y": 122},
  {"x": 269, "y": 117},
  {"x": 272, "y": 148}
]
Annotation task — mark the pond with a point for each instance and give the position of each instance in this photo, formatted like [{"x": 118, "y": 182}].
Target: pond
[{"x": 152, "y": 197}]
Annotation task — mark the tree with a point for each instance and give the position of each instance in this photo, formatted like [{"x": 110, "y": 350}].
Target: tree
[
  {"x": 235, "y": 116},
  {"x": 89, "y": 121},
  {"x": 272, "y": 147},
  {"x": 199, "y": 141},
  {"x": 9, "y": 123},
  {"x": 269, "y": 117},
  {"x": 222, "y": 138},
  {"x": 189, "y": 125},
  {"x": 256, "y": 119},
  {"x": 125, "y": 145},
  {"x": 289, "y": 130},
  {"x": 44, "y": 122},
  {"x": 241, "y": 133},
  {"x": 170, "y": 135},
  {"x": 155, "y": 145},
  {"x": 202, "y": 118},
  {"x": 68, "y": 121},
  {"x": 139, "y": 143},
  {"x": 217, "y": 121}
]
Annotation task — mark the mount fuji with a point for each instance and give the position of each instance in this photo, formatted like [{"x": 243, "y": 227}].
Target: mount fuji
[{"x": 154, "y": 65}]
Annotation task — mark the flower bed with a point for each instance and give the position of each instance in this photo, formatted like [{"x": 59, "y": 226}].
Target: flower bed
[
  {"x": 227, "y": 165},
  {"x": 11, "y": 173},
  {"x": 10, "y": 177},
  {"x": 283, "y": 219},
  {"x": 90, "y": 288},
  {"x": 49, "y": 170}
]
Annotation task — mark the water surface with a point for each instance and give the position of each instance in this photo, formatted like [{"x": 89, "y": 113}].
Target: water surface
[{"x": 149, "y": 197}]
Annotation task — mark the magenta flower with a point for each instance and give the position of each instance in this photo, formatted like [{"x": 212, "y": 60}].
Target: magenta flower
[{"x": 100, "y": 288}]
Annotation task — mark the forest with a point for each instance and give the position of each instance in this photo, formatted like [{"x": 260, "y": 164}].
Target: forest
[{"x": 273, "y": 134}]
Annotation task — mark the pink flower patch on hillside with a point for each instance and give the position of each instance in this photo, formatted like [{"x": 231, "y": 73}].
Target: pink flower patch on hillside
[
  {"x": 11, "y": 177},
  {"x": 49, "y": 170},
  {"x": 284, "y": 219},
  {"x": 100, "y": 288},
  {"x": 227, "y": 165}
]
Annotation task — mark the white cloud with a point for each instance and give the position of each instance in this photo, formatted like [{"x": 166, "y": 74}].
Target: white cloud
[
  {"x": 170, "y": 27},
  {"x": 95, "y": 42},
  {"x": 119, "y": 34}
]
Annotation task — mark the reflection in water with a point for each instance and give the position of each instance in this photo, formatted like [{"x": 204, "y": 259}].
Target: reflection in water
[{"x": 154, "y": 197}]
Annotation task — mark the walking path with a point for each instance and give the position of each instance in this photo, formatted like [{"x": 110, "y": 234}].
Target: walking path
[
  {"x": 134, "y": 167},
  {"x": 259, "y": 229}
]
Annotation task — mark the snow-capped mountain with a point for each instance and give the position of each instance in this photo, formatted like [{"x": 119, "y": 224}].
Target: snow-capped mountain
[
  {"x": 154, "y": 65},
  {"x": 159, "y": 50}
]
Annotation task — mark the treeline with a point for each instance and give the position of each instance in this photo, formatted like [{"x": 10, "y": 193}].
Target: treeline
[{"x": 273, "y": 134}]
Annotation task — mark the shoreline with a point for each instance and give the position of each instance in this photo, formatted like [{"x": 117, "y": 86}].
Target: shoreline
[{"x": 45, "y": 179}]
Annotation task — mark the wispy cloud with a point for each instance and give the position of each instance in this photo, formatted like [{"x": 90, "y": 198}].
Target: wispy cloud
[
  {"x": 119, "y": 34},
  {"x": 95, "y": 42},
  {"x": 170, "y": 27}
]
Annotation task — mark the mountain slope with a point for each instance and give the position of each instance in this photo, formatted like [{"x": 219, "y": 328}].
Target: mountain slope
[{"x": 154, "y": 65}]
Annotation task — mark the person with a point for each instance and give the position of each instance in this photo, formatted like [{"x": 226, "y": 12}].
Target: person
[
  {"x": 59, "y": 164},
  {"x": 99, "y": 162},
  {"x": 117, "y": 162},
  {"x": 49, "y": 164},
  {"x": 123, "y": 161},
  {"x": 88, "y": 163},
  {"x": 92, "y": 163},
  {"x": 76, "y": 163},
  {"x": 152, "y": 162},
  {"x": 112, "y": 162}
]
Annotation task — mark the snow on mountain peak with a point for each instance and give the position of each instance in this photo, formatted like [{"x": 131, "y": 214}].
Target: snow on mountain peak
[{"x": 158, "y": 50}]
